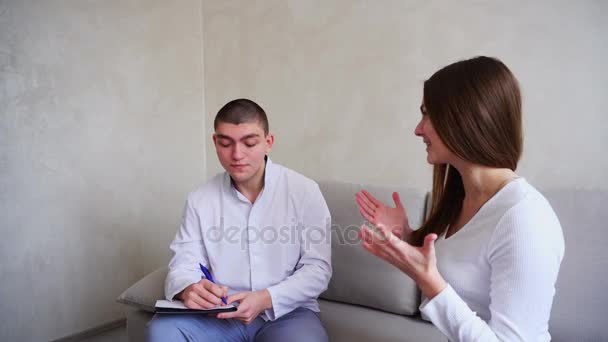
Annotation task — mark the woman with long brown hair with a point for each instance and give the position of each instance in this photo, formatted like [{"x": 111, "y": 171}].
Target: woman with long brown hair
[{"x": 499, "y": 243}]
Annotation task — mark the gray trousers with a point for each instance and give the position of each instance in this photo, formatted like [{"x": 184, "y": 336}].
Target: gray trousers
[{"x": 300, "y": 325}]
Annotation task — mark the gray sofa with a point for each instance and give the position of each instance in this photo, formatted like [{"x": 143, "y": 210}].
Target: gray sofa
[{"x": 369, "y": 300}]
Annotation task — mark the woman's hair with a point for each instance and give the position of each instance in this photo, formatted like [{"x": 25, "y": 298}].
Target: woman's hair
[{"x": 475, "y": 108}]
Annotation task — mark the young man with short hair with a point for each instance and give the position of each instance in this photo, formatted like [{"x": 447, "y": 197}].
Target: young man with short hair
[{"x": 263, "y": 232}]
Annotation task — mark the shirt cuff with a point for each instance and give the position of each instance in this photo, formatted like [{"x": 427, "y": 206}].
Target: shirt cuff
[
  {"x": 446, "y": 310},
  {"x": 431, "y": 307},
  {"x": 177, "y": 285},
  {"x": 269, "y": 313},
  {"x": 278, "y": 308}
]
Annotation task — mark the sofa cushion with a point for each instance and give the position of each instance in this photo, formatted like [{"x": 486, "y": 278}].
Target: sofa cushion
[
  {"x": 146, "y": 291},
  {"x": 359, "y": 277},
  {"x": 353, "y": 323}
]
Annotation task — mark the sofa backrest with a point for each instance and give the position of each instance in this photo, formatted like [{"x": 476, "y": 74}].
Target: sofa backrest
[
  {"x": 580, "y": 306},
  {"x": 358, "y": 276}
]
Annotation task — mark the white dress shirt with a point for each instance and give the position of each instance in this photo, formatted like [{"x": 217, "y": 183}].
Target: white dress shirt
[
  {"x": 501, "y": 268},
  {"x": 281, "y": 242}
]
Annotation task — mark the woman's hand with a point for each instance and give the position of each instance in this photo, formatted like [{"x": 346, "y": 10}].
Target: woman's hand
[
  {"x": 378, "y": 213},
  {"x": 419, "y": 263}
]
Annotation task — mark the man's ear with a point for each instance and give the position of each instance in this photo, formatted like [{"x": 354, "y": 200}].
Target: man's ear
[
  {"x": 214, "y": 138},
  {"x": 269, "y": 142}
]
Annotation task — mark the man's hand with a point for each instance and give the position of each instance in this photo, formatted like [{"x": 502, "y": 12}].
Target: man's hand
[
  {"x": 203, "y": 295},
  {"x": 251, "y": 304}
]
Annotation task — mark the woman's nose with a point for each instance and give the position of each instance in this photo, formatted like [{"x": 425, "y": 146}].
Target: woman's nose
[{"x": 418, "y": 131}]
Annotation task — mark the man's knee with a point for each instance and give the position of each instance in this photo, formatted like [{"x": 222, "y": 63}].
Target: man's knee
[
  {"x": 164, "y": 328},
  {"x": 300, "y": 325},
  {"x": 193, "y": 328}
]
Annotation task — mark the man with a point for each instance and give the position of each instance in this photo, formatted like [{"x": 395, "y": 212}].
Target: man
[{"x": 263, "y": 232}]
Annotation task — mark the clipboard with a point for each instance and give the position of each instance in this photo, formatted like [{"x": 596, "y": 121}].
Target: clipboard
[{"x": 177, "y": 307}]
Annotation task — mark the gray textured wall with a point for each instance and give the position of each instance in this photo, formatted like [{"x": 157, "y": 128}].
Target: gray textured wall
[
  {"x": 101, "y": 137},
  {"x": 342, "y": 80}
]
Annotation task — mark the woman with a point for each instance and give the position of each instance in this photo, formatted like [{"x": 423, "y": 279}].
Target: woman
[{"x": 499, "y": 243}]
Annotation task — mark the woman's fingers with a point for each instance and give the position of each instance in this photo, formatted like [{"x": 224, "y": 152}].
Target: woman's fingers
[
  {"x": 371, "y": 198},
  {"x": 371, "y": 242},
  {"x": 365, "y": 204},
  {"x": 375, "y": 250},
  {"x": 369, "y": 212},
  {"x": 364, "y": 234},
  {"x": 377, "y": 244},
  {"x": 387, "y": 234},
  {"x": 429, "y": 245},
  {"x": 366, "y": 215},
  {"x": 410, "y": 259},
  {"x": 371, "y": 237},
  {"x": 397, "y": 200}
]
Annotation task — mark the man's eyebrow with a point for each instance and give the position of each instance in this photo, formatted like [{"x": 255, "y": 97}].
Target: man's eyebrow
[
  {"x": 222, "y": 136},
  {"x": 248, "y": 136}
]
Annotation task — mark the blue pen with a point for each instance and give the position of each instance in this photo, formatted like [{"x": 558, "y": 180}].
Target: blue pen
[{"x": 210, "y": 278}]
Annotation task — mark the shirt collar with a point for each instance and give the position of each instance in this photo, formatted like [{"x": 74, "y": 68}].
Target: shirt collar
[{"x": 268, "y": 180}]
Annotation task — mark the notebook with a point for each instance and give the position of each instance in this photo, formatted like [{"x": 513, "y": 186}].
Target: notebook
[{"x": 177, "y": 307}]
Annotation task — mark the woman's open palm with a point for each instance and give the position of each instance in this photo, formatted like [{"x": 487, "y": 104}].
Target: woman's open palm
[{"x": 378, "y": 213}]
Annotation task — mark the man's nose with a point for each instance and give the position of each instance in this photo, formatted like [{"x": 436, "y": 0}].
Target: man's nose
[{"x": 237, "y": 152}]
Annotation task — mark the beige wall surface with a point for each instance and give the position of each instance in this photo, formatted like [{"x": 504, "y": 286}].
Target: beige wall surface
[
  {"x": 102, "y": 135},
  {"x": 342, "y": 80}
]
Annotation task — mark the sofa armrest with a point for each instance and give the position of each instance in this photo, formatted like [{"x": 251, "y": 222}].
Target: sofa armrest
[{"x": 144, "y": 293}]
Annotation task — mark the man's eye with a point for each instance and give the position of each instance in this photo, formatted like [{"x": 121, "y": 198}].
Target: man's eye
[
  {"x": 250, "y": 145},
  {"x": 225, "y": 144}
]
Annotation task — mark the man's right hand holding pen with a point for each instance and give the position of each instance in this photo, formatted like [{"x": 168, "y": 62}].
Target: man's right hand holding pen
[{"x": 203, "y": 295}]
